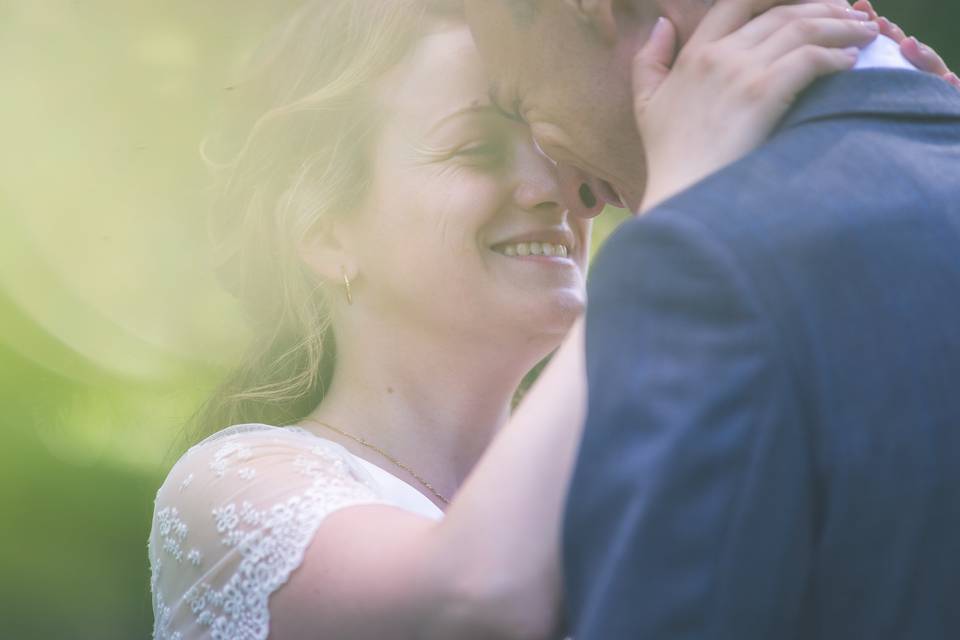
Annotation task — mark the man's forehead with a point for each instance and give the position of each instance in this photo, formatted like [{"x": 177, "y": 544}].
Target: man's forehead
[
  {"x": 514, "y": 56},
  {"x": 502, "y": 27}
]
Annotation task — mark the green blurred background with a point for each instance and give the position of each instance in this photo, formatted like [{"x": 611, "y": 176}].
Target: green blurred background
[{"x": 112, "y": 327}]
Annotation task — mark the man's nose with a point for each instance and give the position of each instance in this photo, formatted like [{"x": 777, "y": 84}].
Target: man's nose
[{"x": 578, "y": 191}]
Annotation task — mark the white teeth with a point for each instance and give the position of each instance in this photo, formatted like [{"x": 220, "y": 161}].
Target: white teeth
[{"x": 535, "y": 249}]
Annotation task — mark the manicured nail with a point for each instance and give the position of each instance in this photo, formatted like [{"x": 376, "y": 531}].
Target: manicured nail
[
  {"x": 658, "y": 26},
  {"x": 872, "y": 26},
  {"x": 858, "y": 15},
  {"x": 586, "y": 196}
]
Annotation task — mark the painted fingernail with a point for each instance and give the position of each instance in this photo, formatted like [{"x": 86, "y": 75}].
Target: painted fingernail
[
  {"x": 658, "y": 26},
  {"x": 586, "y": 196}
]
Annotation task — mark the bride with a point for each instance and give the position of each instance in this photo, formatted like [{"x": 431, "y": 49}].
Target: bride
[{"x": 405, "y": 256}]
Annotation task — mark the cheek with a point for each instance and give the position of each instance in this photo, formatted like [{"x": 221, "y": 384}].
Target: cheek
[
  {"x": 450, "y": 206},
  {"x": 431, "y": 223}
]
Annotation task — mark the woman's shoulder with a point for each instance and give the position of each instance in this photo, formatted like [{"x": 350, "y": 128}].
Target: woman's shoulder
[
  {"x": 237, "y": 449},
  {"x": 256, "y": 434},
  {"x": 233, "y": 517},
  {"x": 255, "y": 469},
  {"x": 241, "y": 451}
]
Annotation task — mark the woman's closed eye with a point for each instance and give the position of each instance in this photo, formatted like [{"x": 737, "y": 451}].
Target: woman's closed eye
[{"x": 487, "y": 153}]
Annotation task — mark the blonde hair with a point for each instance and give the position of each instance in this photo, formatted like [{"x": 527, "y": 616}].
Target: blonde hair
[{"x": 306, "y": 118}]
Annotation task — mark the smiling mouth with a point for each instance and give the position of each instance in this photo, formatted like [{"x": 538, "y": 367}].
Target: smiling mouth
[{"x": 527, "y": 249}]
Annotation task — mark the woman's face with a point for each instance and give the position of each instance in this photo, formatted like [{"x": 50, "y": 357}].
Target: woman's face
[{"x": 463, "y": 231}]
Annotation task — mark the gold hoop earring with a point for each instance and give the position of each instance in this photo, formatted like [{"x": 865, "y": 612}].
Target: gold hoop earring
[{"x": 346, "y": 285}]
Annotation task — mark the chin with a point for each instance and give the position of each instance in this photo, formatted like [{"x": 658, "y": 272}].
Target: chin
[
  {"x": 553, "y": 319},
  {"x": 532, "y": 320}
]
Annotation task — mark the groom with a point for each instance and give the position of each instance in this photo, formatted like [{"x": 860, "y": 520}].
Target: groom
[{"x": 773, "y": 441}]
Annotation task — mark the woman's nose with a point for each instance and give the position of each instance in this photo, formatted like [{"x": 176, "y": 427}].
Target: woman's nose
[
  {"x": 537, "y": 187},
  {"x": 578, "y": 192}
]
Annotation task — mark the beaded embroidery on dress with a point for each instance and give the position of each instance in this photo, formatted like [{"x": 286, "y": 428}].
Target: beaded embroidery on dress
[{"x": 233, "y": 520}]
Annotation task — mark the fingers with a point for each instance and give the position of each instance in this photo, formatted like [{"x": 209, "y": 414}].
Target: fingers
[
  {"x": 891, "y": 30},
  {"x": 794, "y": 72},
  {"x": 923, "y": 57},
  {"x": 866, "y": 7},
  {"x": 653, "y": 62},
  {"x": 919, "y": 54},
  {"x": 762, "y": 27},
  {"x": 727, "y": 16},
  {"x": 820, "y": 32}
]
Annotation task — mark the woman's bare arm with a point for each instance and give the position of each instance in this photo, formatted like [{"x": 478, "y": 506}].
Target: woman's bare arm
[{"x": 489, "y": 569}]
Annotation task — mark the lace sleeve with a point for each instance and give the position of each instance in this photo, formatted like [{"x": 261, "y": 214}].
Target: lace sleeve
[{"x": 233, "y": 520}]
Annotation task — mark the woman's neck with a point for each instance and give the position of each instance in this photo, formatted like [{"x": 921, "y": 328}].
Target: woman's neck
[{"x": 432, "y": 404}]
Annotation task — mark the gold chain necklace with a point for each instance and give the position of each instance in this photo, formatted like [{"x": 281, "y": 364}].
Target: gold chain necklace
[{"x": 385, "y": 455}]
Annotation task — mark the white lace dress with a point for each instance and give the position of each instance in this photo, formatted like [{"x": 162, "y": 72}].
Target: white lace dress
[{"x": 234, "y": 517}]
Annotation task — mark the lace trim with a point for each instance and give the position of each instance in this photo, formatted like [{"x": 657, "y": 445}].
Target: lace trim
[{"x": 272, "y": 543}]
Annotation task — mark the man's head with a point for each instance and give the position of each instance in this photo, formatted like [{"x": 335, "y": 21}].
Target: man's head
[{"x": 564, "y": 66}]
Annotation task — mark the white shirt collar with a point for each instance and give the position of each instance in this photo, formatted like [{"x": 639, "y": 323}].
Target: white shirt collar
[{"x": 883, "y": 53}]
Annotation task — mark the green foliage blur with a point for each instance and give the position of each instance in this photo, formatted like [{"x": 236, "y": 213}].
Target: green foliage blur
[{"x": 112, "y": 327}]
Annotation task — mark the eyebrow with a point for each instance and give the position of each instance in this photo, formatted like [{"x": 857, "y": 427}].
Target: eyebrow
[
  {"x": 513, "y": 114},
  {"x": 474, "y": 107}
]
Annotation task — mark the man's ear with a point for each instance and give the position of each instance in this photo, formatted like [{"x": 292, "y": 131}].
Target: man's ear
[
  {"x": 325, "y": 251},
  {"x": 598, "y": 14}
]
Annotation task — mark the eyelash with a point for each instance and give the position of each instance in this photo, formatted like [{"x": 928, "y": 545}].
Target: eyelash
[
  {"x": 485, "y": 153},
  {"x": 479, "y": 149}
]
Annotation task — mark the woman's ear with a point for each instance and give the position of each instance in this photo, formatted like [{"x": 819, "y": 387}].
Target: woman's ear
[
  {"x": 326, "y": 252},
  {"x": 599, "y": 15}
]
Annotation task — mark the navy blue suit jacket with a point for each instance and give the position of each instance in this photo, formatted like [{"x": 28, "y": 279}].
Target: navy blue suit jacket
[{"x": 772, "y": 447}]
